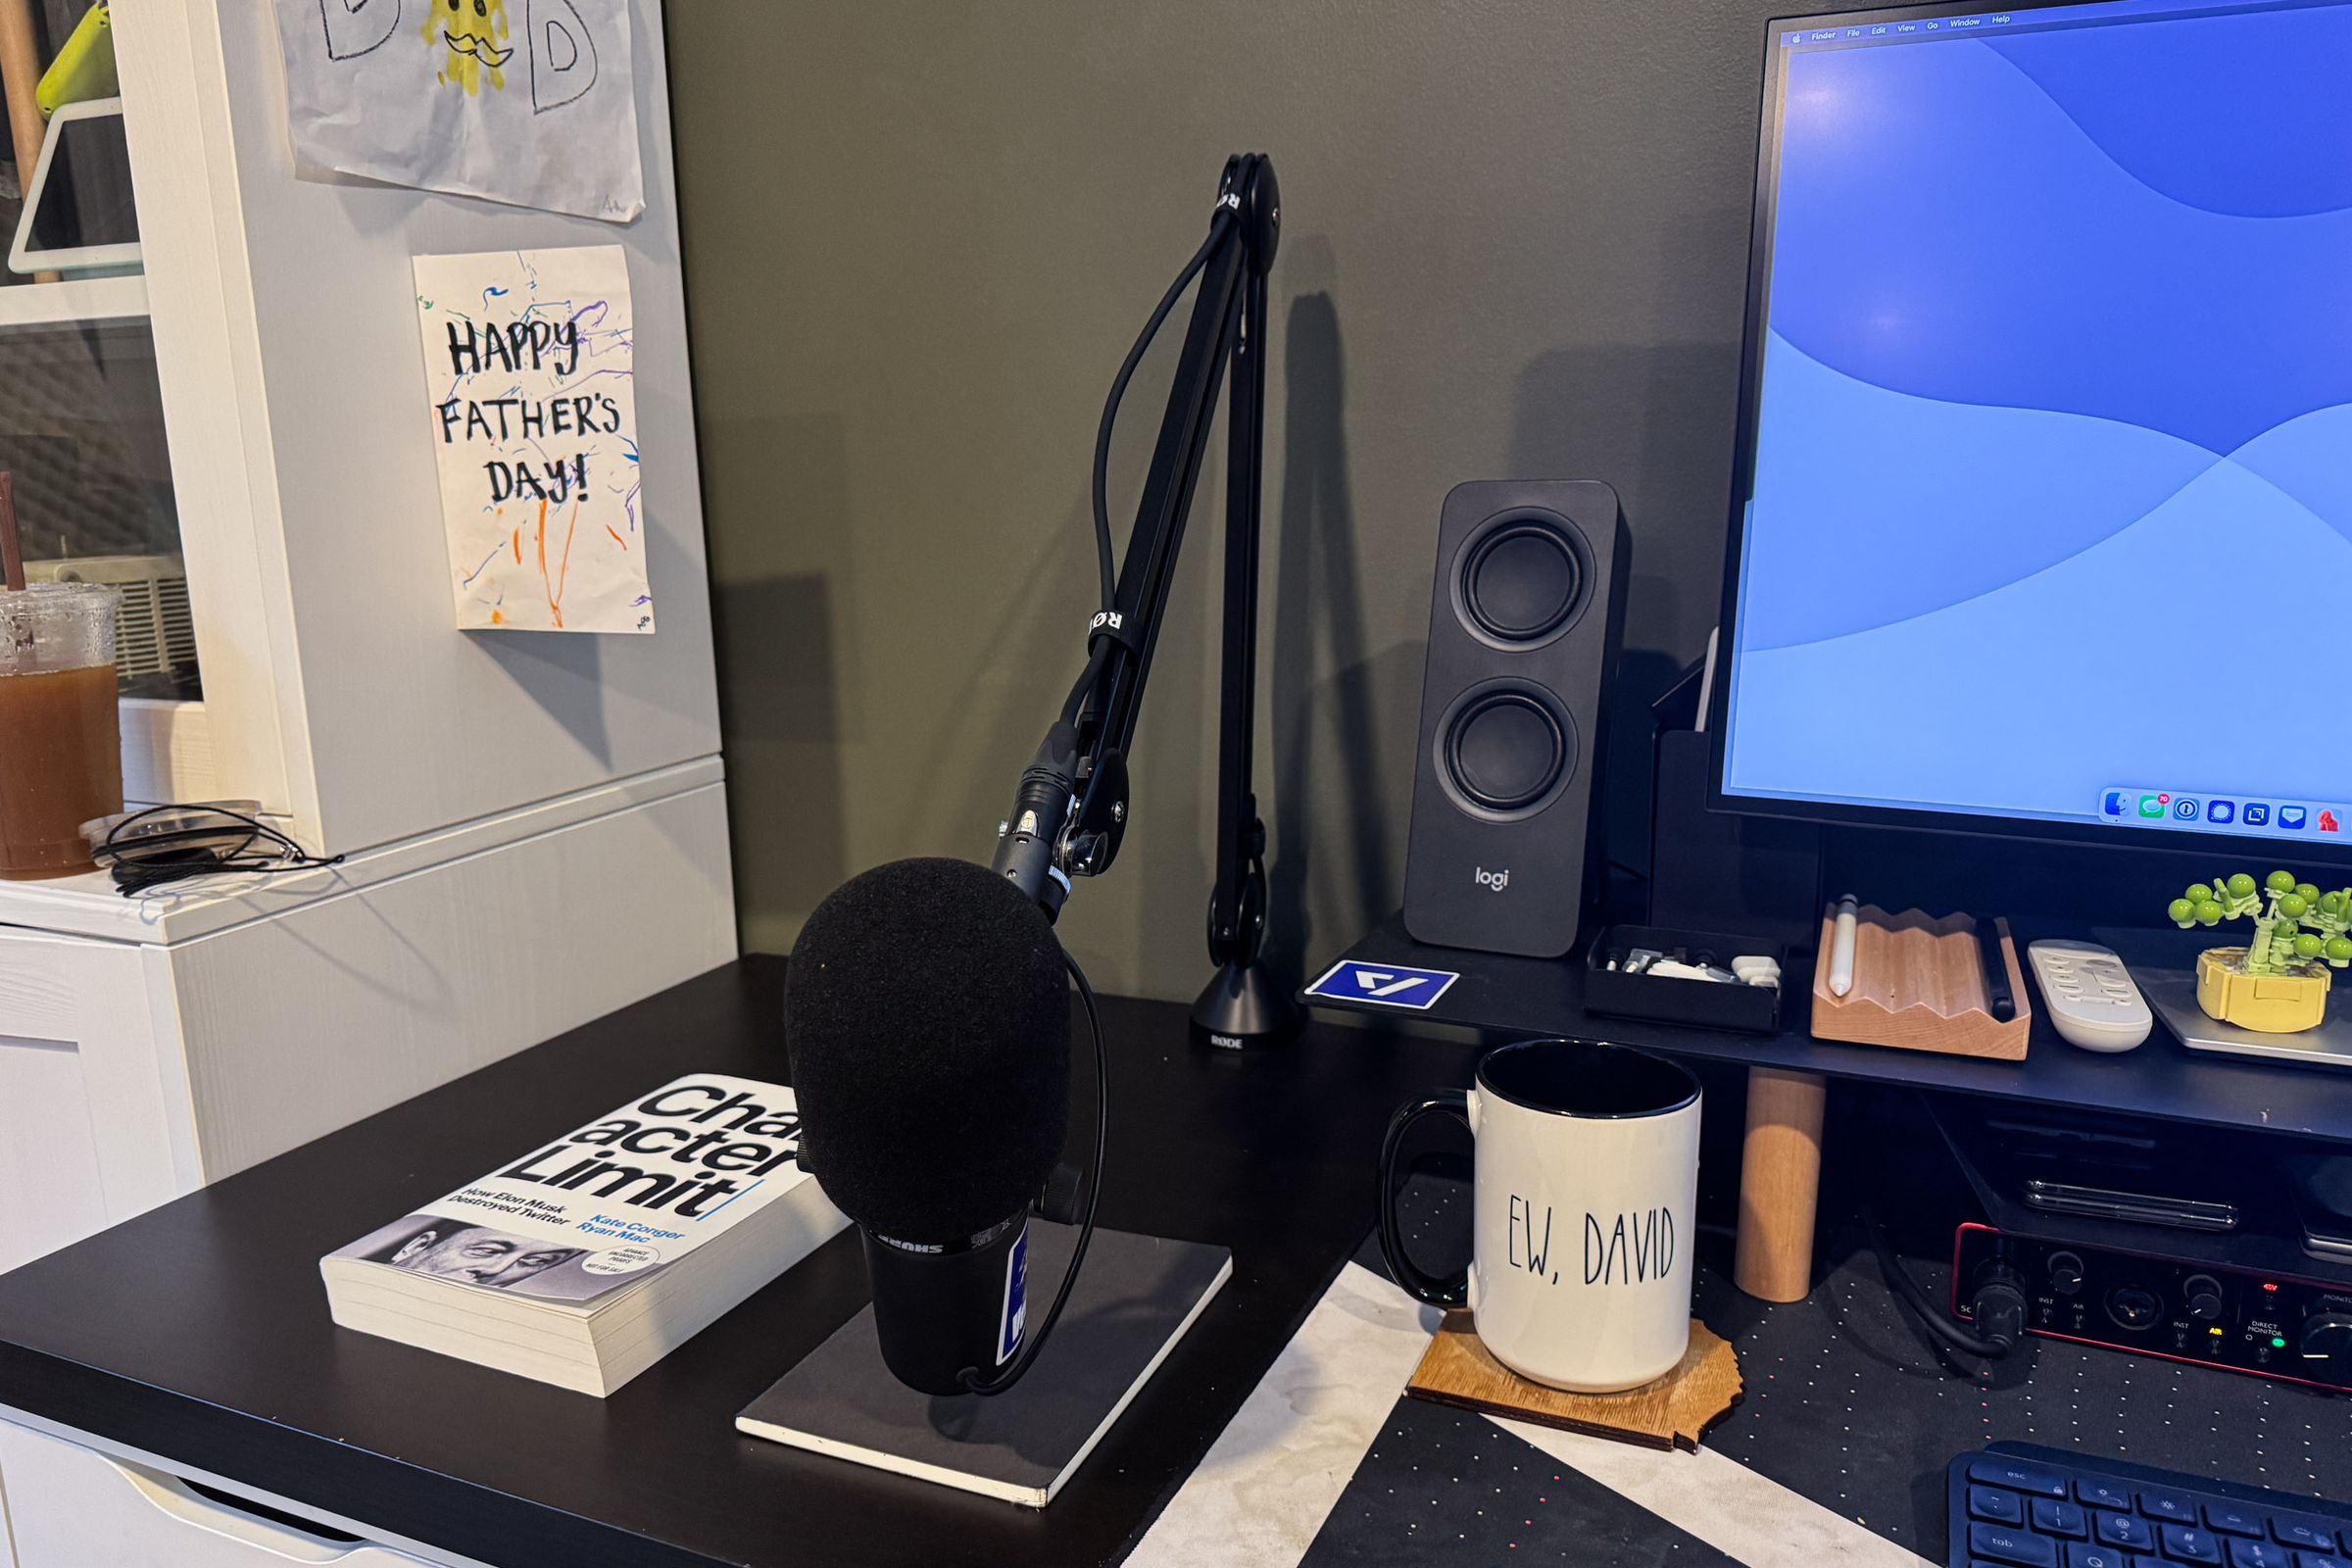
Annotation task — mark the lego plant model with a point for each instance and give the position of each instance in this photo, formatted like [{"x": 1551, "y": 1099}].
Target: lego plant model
[{"x": 2278, "y": 983}]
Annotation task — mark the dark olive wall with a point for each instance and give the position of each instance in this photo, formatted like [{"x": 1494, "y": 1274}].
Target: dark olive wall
[{"x": 918, "y": 238}]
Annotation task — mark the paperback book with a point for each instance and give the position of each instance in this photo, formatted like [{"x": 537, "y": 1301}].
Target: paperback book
[{"x": 587, "y": 1259}]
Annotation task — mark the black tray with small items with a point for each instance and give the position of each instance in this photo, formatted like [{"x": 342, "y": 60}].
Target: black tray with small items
[{"x": 1610, "y": 988}]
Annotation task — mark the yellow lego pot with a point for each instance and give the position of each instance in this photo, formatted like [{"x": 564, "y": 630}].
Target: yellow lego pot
[{"x": 2272, "y": 1004}]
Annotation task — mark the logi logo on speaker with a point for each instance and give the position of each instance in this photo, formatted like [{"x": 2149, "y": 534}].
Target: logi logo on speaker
[{"x": 1493, "y": 881}]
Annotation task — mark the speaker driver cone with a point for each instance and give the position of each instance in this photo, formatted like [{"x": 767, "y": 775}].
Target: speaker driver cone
[
  {"x": 1505, "y": 751},
  {"x": 1522, "y": 580}
]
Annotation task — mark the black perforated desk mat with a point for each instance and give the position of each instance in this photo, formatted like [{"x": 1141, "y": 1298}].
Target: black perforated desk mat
[
  {"x": 1446, "y": 1485},
  {"x": 1848, "y": 1405}
]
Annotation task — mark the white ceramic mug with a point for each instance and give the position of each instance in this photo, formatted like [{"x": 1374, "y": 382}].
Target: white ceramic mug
[{"x": 1585, "y": 1174}]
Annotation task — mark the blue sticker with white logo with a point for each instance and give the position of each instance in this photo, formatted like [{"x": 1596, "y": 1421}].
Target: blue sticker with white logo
[
  {"x": 1384, "y": 985},
  {"x": 1015, "y": 1318}
]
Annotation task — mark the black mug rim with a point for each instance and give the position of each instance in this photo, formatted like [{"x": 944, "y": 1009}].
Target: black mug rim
[{"x": 1688, "y": 1079}]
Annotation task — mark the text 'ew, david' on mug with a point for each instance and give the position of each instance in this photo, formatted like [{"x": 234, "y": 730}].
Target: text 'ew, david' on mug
[{"x": 1585, "y": 1197}]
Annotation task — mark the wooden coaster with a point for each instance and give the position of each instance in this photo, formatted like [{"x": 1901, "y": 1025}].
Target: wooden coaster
[{"x": 1670, "y": 1414}]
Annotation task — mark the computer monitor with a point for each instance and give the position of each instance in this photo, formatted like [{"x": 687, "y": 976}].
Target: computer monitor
[{"x": 2043, "y": 521}]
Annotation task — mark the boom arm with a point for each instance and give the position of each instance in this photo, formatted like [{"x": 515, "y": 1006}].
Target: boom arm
[{"x": 1071, "y": 812}]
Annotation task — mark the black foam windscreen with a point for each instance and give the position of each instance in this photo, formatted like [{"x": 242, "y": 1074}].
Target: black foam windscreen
[{"x": 927, "y": 1017}]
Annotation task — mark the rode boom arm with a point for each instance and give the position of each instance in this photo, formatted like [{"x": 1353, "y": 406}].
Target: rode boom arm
[{"x": 1069, "y": 814}]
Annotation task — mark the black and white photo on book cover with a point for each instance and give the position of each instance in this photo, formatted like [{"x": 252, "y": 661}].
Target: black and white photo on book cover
[{"x": 609, "y": 1203}]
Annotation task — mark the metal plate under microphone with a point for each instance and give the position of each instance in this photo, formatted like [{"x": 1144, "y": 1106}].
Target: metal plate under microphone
[{"x": 1134, "y": 1299}]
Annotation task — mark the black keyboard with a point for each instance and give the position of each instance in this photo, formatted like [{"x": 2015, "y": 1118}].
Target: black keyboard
[{"x": 2015, "y": 1506}]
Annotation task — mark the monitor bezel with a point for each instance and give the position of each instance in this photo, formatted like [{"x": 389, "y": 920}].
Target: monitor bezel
[{"x": 2128, "y": 835}]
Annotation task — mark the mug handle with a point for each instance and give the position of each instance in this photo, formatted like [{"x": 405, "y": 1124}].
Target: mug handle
[{"x": 1455, "y": 1292}]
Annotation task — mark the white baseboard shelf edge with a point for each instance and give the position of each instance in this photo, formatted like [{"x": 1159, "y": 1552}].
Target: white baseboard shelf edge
[{"x": 89, "y": 906}]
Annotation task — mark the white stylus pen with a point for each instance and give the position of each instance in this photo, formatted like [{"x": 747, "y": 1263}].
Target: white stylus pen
[{"x": 1842, "y": 948}]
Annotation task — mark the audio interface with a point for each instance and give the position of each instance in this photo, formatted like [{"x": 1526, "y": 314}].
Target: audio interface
[{"x": 2268, "y": 1325}]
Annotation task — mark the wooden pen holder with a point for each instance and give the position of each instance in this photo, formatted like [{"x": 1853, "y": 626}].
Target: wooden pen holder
[{"x": 1918, "y": 985}]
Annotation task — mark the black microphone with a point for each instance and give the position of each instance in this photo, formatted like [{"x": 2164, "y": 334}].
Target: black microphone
[{"x": 927, "y": 1019}]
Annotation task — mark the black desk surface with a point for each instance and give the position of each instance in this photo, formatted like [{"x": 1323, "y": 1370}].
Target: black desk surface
[{"x": 199, "y": 1331}]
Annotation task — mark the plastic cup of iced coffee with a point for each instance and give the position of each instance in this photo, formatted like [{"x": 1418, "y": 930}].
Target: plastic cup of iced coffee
[{"x": 61, "y": 737}]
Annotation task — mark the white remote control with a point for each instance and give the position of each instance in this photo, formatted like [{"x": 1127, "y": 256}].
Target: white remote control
[{"x": 2091, "y": 999}]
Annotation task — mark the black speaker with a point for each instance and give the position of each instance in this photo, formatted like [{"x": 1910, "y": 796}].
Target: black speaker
[{"x": 1523, "y": 634}]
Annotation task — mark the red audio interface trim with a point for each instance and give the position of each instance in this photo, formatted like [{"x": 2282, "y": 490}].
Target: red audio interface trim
[{"x": 2294, "y": 1328}]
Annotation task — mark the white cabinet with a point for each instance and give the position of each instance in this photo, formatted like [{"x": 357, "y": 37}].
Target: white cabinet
[
  {"x": 533, "y": 824},
  {"x": 336, "y": 690},
  {"x": 63, "y": 1506},
  {"x": 85, "y": 1136},
  {"x": 193, "y": 1036}
]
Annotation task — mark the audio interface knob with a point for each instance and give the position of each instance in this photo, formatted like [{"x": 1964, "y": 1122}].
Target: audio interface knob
[
  {"x": 2328, "y": 1342},
  {"x": 2204, "y": 1293},
  {"x": 2066, "y": 1273}
]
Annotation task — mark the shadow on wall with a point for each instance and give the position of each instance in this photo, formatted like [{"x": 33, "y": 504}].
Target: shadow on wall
[
  {"x": 775, "y": 641},
  {"x": 1339, "y": 806},
  {"x": 782, "y": 594},
  {"x": 565, "y": 673},
  {"x": 1667, "y": 449}
]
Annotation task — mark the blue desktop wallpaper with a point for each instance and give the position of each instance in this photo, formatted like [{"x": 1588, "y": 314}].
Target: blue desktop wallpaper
[{"x": 2053, "y": 486}]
